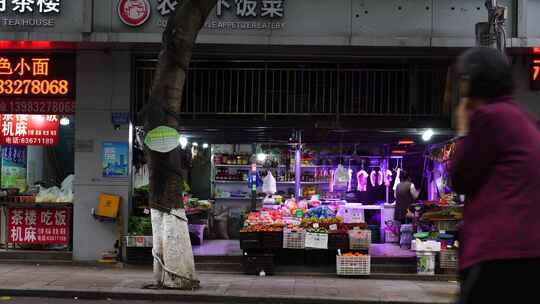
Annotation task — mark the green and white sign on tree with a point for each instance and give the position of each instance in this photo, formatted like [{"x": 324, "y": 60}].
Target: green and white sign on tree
[{"x": 162, "y": 139}]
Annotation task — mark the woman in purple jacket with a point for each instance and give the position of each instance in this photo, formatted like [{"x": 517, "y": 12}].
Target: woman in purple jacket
[{"x": 497, "y": 167}]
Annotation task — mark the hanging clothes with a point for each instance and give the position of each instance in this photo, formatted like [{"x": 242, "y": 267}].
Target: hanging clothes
[
  {"x": 350, "y": 171},
  {"x": 376, "y": 178},
  {"x": 397, "y": 180},
  {"x": 362, "y": 180},
  {"x": 388, "y": 178}
]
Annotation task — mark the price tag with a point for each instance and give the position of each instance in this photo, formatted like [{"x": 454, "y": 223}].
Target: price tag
[
  {"x": 315, "y": 225},
  {"x": 333, "y": 227}
]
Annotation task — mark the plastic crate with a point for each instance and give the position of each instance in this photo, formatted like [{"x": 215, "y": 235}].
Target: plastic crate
[
  {"x": 449, "y": 259},
  {"x": 316, "y": 240},
  {"x": 359, "y": 239},
  {"x": 254, "y": 263},
  {"x": 353, "y": 265},
  {"x": 447, "y": 225},
  {"x": 250, "y": 240},
  {"x": 272, "y": 240},
  {"x": 294, "y": 239},
  {"x": 338, "y": 241}
]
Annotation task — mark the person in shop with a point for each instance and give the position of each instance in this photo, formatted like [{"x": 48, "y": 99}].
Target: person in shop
[
  {"x": 497, "y": 167},
  {"x": 406, "y": 195}
]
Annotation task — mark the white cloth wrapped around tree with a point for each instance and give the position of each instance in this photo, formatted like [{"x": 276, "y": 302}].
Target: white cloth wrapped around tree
[{"x": 174, "y": 266}]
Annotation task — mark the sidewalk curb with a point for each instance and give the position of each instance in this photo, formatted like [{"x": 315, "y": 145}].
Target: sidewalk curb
[{"x": 190, "y": 297}]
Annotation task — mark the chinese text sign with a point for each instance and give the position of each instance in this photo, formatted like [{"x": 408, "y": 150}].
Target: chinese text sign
[
  {"x": 35, "y": 84},
  {"x": 33, "y": 130},
  {"x": 38, "y": 226}
]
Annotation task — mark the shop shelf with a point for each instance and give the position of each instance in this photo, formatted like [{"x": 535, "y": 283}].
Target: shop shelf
[
  {"x": 228, "y": 182},
  {"x": 353, "y": 265},
  {"x": 234, "y": 166},
  {"x": 234, "y": 198}
]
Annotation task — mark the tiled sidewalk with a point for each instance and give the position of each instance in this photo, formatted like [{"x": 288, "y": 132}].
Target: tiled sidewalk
[{"x": 101, "y": 282}]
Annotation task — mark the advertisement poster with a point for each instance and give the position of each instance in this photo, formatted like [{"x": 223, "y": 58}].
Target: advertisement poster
[
  {"x": 38, "y": 226},
  {"x": 14, "y": 167},
  {"x": 115, "y": 159},
  {"x": 29, "y": 130}
]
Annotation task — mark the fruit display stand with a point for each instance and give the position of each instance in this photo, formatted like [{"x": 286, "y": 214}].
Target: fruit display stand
[{"x": 313, "y": 240}]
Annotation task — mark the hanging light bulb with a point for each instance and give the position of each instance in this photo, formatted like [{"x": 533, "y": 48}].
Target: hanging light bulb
[
  {"x": 427, "y": 135},
  {"x": 183, "y": 142},
  {"x": 261, "y": 157},
  {"x": 64, "y": 121}
]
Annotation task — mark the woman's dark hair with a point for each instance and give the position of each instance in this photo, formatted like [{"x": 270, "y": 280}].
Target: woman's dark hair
[
  {"x": 404, "y": 175},
  {"x": 488, "y": 72}
]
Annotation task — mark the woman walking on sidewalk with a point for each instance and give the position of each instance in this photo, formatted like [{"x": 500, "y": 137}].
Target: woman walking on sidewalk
[{"x": 497, "y": 167}]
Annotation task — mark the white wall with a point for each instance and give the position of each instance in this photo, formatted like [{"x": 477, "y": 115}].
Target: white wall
[
  {"x": 34, "y": 169},
  {"x": 103, "y": 86}
]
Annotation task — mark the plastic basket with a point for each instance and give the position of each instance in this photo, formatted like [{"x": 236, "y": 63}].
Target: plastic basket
[
  {"x": 316, "y": 240},
  {"x": 353, "y": 265},
  {"x": 449, "y": 259},
  {"x": 447, "y": 225},
  {"x": 359, "y": 239},
  {"x": 294, "y": 239}
]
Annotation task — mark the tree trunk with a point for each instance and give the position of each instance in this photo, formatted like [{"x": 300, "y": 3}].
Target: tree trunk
[{"x": 173, "y": 257}]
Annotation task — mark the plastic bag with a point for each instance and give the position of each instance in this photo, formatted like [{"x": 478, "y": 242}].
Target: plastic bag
[
  {"x": 48, "y": 195},
  {"x": 269, "y": 184},
  {"x": 66, "y": 193},
  {"x": 341, "y": 178}
]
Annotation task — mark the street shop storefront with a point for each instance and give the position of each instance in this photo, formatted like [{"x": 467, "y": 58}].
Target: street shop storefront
[
  {"x": 336, "y": 192},
  {"x": 37, "y": 102},
  {"x": 334, "y": 207}
]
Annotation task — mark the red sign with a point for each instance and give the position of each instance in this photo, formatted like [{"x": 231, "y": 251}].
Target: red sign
[
  {"x": 38, "y": 226},
  {"x": 29, "y": 130},
  {"x": 134, "y": 12},
  {"x": 37, "y": 106},
  {"x": 535, "y": 73},
  {"x": 36, "y": 84}
]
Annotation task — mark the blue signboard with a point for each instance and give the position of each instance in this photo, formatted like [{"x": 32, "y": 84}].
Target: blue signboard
[{"x": 120, "y": 118}]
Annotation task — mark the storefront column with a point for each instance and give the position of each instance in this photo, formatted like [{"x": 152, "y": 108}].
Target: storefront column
[{"x": 103, "y": 80}]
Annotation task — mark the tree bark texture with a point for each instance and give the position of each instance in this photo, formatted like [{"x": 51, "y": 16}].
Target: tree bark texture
[{"x": 173, "y": 257}]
